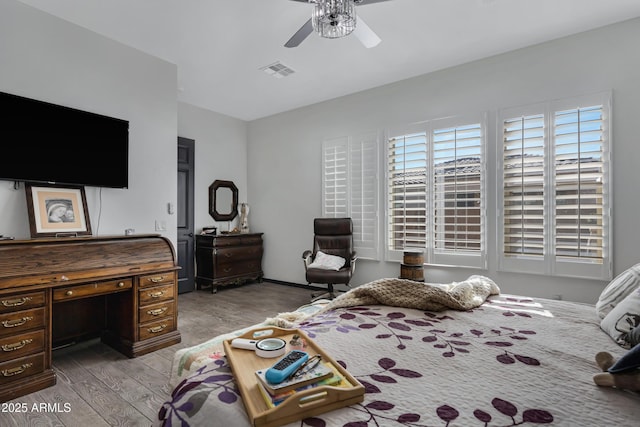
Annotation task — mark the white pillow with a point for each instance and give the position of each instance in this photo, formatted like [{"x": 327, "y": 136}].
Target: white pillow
[
  {"x": 618, "y": 289},
  {"x": 327, "y": 262},
  {"x": 624, "y": 317}
]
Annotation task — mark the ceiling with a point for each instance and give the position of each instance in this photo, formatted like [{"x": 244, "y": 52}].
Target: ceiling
[{"x": 219, "y": 46}]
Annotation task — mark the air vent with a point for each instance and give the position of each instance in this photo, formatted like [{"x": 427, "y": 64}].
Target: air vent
[{"x": 278, "y": 70}]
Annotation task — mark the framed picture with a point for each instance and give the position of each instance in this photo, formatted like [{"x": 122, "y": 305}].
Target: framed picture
[{"x": 56, "y": 211}]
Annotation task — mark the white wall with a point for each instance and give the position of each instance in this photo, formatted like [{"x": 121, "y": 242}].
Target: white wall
[
  {"x": 46, "y": 58},
  {"x": 220, "y": 153},
  {"x": 284, "y": 163}
]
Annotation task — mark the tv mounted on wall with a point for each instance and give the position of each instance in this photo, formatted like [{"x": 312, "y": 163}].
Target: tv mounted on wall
[{"x": 48, "y": 143}]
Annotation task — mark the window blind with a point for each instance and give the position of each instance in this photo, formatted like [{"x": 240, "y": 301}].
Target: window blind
[
  {"x": 523, "y": 185},
  {"x": 407, "y": 191},
  {"x": 457, "y": 188},
  {"x": 555, "y": 188},
  {"x": 335, "y": 178},
  {"x": 350, "y": 187},
  {"x": 579, "y": 204}
]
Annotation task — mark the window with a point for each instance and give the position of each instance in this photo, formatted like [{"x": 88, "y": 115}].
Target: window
[
  {"x": 435, "y": 192},
  {"x": 350, "y": 187},
  {"x": 554, "y": 177}
]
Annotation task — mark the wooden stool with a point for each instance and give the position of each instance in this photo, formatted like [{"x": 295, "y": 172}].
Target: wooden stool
[{"x": 412, "y": 266}]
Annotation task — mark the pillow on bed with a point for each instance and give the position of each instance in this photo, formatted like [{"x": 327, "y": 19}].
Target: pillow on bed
[
  {"x": 624, "y": 284},
  {"x": 327, "y": 262},
  {"x": 623, "y": 319}
]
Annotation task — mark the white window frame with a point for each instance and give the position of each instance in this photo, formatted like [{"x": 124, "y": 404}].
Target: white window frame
[
  {"x": 458, "y": 258},
  {"x": 548, "y": 263}
]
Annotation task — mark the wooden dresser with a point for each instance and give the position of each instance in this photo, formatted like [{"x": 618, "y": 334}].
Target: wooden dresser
[
  {"x": 226, "y": 259},
  {"x": 62, "y": 290}
]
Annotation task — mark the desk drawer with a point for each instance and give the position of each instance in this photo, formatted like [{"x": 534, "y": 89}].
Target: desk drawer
[
  {"x": 19, "y": 321},
  {"x": 156, "y": 311},
  {"x": 91, "y": 289},
  {"x": 157, "y": 279},
  {"x": 21, "y": 301},
  {"x": 21, "y": 345},
  {"x": 155, "y": 329},
  {"x": 157, "y": 294},
  {"x": 20, "y": 368}
]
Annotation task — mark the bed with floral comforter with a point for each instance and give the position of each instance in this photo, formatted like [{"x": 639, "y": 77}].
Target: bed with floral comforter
[{"x": 511, "y": 361}]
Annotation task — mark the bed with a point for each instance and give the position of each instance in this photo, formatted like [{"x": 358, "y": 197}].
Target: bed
[{"x": 510, "y": 360}]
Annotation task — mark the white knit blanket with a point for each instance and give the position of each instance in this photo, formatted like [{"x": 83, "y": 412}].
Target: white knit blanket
[{"x": 463, "y": 295}]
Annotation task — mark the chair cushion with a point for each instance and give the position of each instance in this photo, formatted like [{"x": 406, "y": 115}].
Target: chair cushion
[{"x": 327, "y": 262}]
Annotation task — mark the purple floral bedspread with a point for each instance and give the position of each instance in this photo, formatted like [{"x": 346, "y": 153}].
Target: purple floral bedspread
[{"x": 512, "y": 361}]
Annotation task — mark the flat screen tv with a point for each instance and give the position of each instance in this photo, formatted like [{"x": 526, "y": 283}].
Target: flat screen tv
[{"x": 47, "y": 143}]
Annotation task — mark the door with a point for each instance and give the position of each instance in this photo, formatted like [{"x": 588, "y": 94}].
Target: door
[{"x": 186, "y": 245}]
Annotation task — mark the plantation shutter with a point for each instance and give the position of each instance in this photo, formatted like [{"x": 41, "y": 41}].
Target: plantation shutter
[
  {"x": 457, "y": 189},
  {"x": 523, "y": 185},
  {"x": 335, "y": 178},
  {"x": 407, "y": 191},
  {"x": 579, "y": 169},
  {"x": 350, "y": 188},
  {"x": 555, "y": 197},
  {"x": 364, "y": 194}
]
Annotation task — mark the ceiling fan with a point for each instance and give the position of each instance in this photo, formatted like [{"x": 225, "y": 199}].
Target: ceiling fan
[{"x": 333, "y": 19}]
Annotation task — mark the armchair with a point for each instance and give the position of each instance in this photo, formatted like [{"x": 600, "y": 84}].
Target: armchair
[{"x": 332, "y": 260}]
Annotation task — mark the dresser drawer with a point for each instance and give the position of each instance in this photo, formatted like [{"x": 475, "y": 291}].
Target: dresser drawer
[
  {"x": 157, "y": 279},
  {"x": 156, "y": 311},
  {"x": 20, "y": 345},
  {"x": 241, "y": 268},
  {"x": 226, "y": 255},
  {"x": 20, "y": 368},
  {"x": 156, "y": 294},
  {"x": 154, "y": 329},
  {"x": 21, "y": 301},
  {"x": 19, "y": 321},
  {"x": 91, "y": 289}
]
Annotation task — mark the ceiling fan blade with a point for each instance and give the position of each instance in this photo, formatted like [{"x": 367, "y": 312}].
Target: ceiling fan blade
[
  {"x": 363, "y": 2},
  {"x": 300, "y": 35},
  {"x": 366, "y": 35}
]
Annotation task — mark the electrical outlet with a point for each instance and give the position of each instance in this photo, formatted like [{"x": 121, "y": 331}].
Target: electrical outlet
[{"x": 161, "y": 225}]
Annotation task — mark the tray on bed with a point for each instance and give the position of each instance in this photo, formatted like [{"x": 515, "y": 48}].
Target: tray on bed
[{"x": 304, "y": 404}]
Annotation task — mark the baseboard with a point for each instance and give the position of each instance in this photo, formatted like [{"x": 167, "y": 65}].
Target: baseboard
[{"x": 295, "y": 285}]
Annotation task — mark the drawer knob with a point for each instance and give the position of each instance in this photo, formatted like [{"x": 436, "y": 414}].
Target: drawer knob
[
  {"x": 16, "y": 301},
  {"x": 157, "y": 279},
  {"x": 68, "y": 293},
  {"x": 16, "y": 346},
  {"x": 157, "y": 311},
  {"x": 156, "y": 294},
  {"x": 121, "y": 284},
  {"x": 16, "y": 371},
  {"x": 16, "y": 322},
  {"x": 157, "y": 329}
]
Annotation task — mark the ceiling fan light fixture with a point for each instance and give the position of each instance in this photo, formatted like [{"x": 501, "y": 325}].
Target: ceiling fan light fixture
[{"x": 334, "y": 18}]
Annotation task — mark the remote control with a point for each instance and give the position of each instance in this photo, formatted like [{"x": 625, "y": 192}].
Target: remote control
[{"x": 286, "y": 366}]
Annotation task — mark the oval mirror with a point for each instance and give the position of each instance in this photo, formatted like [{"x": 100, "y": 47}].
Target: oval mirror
[{"x": 223, "y": 200}]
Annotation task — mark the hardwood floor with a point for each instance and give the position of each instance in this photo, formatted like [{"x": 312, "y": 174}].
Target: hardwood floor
[{"x": 97, "y": 386}]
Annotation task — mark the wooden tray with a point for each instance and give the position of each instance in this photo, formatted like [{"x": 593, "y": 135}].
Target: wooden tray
[{"x": 325, "y": 398}]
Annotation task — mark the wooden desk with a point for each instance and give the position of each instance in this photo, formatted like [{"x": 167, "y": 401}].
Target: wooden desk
[{"x": 61, "y": 290}]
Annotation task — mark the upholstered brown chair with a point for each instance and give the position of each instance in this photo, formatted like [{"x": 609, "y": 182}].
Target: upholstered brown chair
[{"x": 332, "y": 260}]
